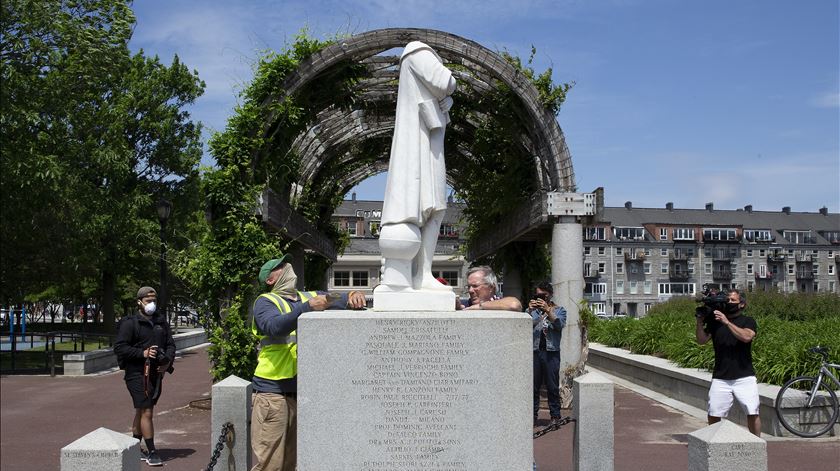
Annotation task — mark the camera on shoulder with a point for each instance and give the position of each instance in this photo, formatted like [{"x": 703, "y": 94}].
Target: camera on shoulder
[{"x": 712, "y": 301}]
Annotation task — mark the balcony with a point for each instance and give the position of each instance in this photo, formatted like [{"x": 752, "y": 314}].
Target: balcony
[
  {"x": 721, "y": 256},
  {"x": 634, "y": 256},
  {"x": 776, "y": 257},
  {"x": 678, "y": 255},
  {"x": 804, "y": 275},
  {"x": 803, "y": 258},
  {"x": 679, "y": 275},
  {"x": 767, "y": 276},
  {"x": 592, "y": 274},
  {"x": 722, "y": 274},
  {"x": 593, "y": 297}
]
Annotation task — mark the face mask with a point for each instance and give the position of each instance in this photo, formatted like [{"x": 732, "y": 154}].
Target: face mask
[
  {"x": 149, "y": 309},
  {"x": 732, "y": 308}
]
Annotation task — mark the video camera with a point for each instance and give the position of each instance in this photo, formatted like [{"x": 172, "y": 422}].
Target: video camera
[{"x": 712, "y": 301}]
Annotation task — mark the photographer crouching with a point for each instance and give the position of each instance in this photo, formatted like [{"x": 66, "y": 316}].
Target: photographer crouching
[
  {"x": 720, "y": 320},
  {"x": 145, "y": 350}
]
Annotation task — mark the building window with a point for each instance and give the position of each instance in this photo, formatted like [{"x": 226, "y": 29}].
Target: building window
[
  {"x": 750, "y": 286},
  {"x": 683, "y": 233},
  {"x": 707, "y": 252},
  {"x": 360, "y": 278},
  {"x": 595, "y": 289},
  {"x": 374, "y": 226},
  {"x": 602, "y": 267},
  {"x": 749, "y": 252},
  {"x": 647, "y": 268},
  {"x": 619, "y": 251},
  {"x": 648, "y": 287},
  {"x": 595, "y": 233},
  {"x": 791, "y": 287},
  {"x": 762, "y": 253},
  {"x": 719, "y": 234},
  {"x": 598, "y": 308},
  {"x": 832, "y": 287},
  {"x": 830, "y": 254},
  {"x": 451, "y": 276},
  {"x": 749, "y": 269},
  {"x": 707, "y": 268},
  {"x": 448, "y": 231},
  {"x": 663, "y": 268},
  {"x": 663, "y": 233},
  {"x": 648, "y": 306},
  {"x": 619, "y": 287},
  {"x": 619, "y": 268},
  {"x": 341, "y": 278},
  {"x": 351, "y": 228},
  {"x": 791, "y": 270},
  {"x": 690, "y": 268},
  {"x": 815, "y": 269},
  {"x": 816, "y": 286},
  {"x": 647, "y": 252},
  {"x": 587, "y": 250},
  {"x": 601, "y": 250},
  {"x": 663, "y": 252},
  {"x": 799, "y": 237},
  {"x": 831, "y": 269},
  {"x": 634, "y": 287},
  {"x": 676, "y": 289},
  {"x": 758, "y": 235},
  {"x": 629, "y": 233}
]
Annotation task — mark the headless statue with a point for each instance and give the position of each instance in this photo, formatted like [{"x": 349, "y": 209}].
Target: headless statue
[{"x": 415, "y": 194}]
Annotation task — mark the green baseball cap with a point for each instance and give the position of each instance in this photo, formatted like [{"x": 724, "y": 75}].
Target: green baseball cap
[{"x": 272, "y": 265}]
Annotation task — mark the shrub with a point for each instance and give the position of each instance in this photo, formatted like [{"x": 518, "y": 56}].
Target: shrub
[{"x": 788, "y": 324}]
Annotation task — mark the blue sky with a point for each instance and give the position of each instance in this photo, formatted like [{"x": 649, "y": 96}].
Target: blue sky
[{"x": 731, "y": 102}]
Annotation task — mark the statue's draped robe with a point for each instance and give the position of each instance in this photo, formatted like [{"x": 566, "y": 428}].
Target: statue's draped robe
[{"x": 416, "y": 187}]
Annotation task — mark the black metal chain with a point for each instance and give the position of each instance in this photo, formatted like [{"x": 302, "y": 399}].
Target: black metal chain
[
  {"x": 225, "y": 436},
  {"x": 554, "y": 425}
]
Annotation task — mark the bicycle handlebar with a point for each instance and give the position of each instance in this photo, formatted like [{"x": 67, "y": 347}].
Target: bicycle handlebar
[{"x": 820, "y": 350}]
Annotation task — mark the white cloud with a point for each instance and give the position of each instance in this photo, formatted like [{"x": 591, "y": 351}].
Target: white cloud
[{"x": 826, "y": 100}]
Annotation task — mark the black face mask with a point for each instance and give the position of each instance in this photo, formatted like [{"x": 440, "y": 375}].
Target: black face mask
[{"x": 732, "y": 308}]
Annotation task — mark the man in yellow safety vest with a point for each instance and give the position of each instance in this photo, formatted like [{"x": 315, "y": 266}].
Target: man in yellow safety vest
[{"x": 275, "y": 318}]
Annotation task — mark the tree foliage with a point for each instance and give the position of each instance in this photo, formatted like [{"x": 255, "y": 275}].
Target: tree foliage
[{"x": 92, "y": 136}]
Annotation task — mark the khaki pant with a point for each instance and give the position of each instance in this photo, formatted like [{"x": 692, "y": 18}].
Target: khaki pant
[{"x": 274, "y": 432}]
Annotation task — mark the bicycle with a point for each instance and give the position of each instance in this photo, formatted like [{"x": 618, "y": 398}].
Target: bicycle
[{"x": 806, "y": 405}]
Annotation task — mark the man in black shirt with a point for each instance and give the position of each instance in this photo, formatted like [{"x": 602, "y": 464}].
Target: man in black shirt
[
  {"x": 732, "y": 334},
  {"x": 145, "y": 349}
]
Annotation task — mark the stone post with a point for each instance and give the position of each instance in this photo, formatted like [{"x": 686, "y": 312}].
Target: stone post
[
  {"x": 567, "y": 279},
  {"x": 725, "y": 446},
  {"x": 594, "y": 440},
  {"x": 102, "y": 450},
  {"x": 232, "y": 403}
]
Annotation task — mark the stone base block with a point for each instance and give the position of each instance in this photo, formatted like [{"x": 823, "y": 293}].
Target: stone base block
[
  {"x": 386, "y": 298},
  {"x": 102, "y": 450},
  {"x": 415, "y": 391}
]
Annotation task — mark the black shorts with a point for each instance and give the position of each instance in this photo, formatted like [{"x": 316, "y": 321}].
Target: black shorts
[{"x": 142, "y": 395}]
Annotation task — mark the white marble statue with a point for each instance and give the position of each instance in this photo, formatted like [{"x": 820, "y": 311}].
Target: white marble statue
[{"x": 415, "y": 194}]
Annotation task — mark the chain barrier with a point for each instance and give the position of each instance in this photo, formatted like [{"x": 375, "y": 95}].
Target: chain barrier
[
  {"x": 555, "y": 425},
  {"x": 226, "y": 437}
]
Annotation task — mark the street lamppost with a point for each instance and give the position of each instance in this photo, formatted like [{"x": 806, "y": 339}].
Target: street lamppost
[{"x": 164, "y": 209}]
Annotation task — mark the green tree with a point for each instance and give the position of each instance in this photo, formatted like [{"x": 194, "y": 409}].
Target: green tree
[{"x": 91, "y": 137}]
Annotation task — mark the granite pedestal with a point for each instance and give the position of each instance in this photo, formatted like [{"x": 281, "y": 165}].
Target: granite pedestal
[{"x": 415, "y": 391}]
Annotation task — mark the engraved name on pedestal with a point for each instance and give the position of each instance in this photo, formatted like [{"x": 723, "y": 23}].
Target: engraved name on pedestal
[{"x": 414, "y": 376}]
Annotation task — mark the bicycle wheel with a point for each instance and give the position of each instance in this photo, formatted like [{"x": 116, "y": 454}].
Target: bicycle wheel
[{"x": 797, "y": 416}]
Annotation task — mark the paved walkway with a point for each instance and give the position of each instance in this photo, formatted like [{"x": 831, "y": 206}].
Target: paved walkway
[{"x": 42, "y": 414}]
